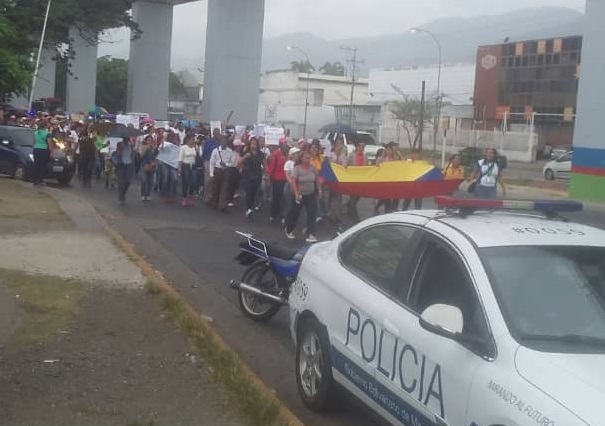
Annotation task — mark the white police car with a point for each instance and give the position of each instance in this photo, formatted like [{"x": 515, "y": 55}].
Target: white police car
[{"x": 457, "y": 317}]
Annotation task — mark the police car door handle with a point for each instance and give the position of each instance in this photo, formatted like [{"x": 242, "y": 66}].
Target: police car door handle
[{"x": 390, "y": 327}]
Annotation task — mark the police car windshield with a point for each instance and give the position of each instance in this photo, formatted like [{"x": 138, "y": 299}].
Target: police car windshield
[{"x": 550, "y": 293}]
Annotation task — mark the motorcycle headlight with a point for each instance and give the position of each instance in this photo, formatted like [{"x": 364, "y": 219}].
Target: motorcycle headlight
[{"x": 31, "y": 156}]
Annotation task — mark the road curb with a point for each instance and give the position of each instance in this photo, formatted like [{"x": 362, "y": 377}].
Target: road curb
[{"x": 285, "y": 416}]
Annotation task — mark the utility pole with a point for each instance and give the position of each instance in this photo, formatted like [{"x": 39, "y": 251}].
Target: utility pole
[
  {"x": 353, "y": 63},
  {"x": 421, "y": 126},
  {"x": 37, "y": 67}
]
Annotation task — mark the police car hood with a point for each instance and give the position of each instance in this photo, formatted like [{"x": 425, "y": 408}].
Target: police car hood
[{"x": 576, "y": 381}]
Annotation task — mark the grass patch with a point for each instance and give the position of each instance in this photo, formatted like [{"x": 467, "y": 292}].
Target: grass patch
[
  {"x": 226, "y": 367},
  {"x": 48, "y": 305}
]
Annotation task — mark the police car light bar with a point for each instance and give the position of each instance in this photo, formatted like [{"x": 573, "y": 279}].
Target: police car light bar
[{"x": 543, "y": 206}]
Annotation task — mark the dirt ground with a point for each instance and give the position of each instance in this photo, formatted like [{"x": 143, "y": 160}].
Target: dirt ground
[
  {"x": 114, "y": 360},
  {"x": 81, "y": 340}
]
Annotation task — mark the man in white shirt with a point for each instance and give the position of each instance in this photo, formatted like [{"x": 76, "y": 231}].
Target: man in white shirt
[{"x": 222, "y": 162}]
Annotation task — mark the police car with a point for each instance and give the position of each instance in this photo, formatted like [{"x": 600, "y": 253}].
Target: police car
[{"x": 469, "y": 315}]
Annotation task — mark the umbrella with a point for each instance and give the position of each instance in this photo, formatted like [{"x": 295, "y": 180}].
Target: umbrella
[
  {"x": 97, "y": 111},
  {"x": 122, "y": 131},
  {"x": 337, "y": 128}
]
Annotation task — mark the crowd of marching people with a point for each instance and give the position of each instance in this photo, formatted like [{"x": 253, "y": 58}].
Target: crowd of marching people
[{"x": 220, "y": 168}]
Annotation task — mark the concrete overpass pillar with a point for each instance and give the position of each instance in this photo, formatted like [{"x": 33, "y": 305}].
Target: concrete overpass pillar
[
  {"x": 45, "y": 83},
  {"x": 588, "y": 173},
  {"x": 234, "y": 38},
  {"x": 149, "y": 66},
  {"x": 82, "y": 82}
]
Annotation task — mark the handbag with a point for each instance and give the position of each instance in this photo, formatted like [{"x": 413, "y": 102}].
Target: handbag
[
  {"x": 116, "y": 159},
  {"x": 150, "y": 167}
]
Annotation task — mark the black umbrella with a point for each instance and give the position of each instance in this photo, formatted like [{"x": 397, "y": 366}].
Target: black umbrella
[
  {"x": 122, "y": 131},
  {"x": 337, "y": 128}
]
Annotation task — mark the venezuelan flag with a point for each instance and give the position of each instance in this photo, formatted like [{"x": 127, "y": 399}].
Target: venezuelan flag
[{"x": 392, "y": 180}]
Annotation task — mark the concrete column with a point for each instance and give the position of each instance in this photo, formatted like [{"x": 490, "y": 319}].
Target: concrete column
[
  {"x": 588, "y": 173},
  {"x": 234, "y": 40},
  {"x": 82, "y": 82},
  {"x": 45, "y": 83},
  {"x": 149, "y": 66}
]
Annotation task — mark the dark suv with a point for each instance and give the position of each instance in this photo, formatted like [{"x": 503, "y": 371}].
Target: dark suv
[{"x": 17, "y": 158}]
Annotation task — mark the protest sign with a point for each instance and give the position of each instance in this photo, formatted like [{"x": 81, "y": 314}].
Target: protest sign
[
  {"x": 273, "y": 135},
  {"x": 239, "y": 131},
  {"x": 161, "y": 124},
  {"x": 128, "y": 119},
  {"x": 216, "y": 125},
  {"x": 169, "y": 155},
  {"x": 259, "y": 130}
]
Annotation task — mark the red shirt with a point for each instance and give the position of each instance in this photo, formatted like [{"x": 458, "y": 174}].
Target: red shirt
[
  {"x": 360, "y": 159},
  {"x": 275, "y": 167}
]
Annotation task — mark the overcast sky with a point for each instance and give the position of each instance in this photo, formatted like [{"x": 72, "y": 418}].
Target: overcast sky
[{"x": 334, "y": 19}]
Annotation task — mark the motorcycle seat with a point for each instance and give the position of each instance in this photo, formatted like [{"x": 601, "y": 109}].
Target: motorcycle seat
[{"x": 275, "y": 250}]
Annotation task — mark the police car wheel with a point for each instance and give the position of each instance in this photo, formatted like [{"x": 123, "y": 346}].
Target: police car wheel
[
  {"x": 313, "y": 368},
  {"x": 549, "y": 174},
  {"x": 256, "y": 308}
]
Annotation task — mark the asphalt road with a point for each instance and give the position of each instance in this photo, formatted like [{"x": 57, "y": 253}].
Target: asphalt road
[{"x": 194, "y": 248}]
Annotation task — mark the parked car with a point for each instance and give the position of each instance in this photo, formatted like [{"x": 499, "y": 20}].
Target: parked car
[
  {"x": 17, "y": 158},
  {"x": 559, "y": 168},
  {"x": 350, "y": 139}
]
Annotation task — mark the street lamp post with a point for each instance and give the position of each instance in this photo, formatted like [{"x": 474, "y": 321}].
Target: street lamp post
[
  {"x": 307, "y": 90},
  {"x": 34, "y": 78},
  {"x": 439, "y": 100}
]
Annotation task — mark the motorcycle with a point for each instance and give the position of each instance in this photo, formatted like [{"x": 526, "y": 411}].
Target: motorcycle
[{"x": 265, "y": 284}]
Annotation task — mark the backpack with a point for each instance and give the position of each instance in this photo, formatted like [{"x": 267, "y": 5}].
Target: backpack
[{"x": 116, "y": 159}]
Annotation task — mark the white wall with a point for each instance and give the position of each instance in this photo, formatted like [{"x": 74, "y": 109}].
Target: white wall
[{"x": 457, "y": 83}]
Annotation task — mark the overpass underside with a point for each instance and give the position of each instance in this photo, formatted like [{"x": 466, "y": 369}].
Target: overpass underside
[{"x": 232, "y": 66}]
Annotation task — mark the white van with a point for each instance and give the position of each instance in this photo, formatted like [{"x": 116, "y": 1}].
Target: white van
[{"x": 372, "y": 146}]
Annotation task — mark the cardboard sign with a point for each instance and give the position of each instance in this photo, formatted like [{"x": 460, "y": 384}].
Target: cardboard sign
[
  {"x": 273, "y": 135},
  {"x": 169, "y": 155},
  {"x": 127, "y": 120},
  {"x": 216, "y": 125}
]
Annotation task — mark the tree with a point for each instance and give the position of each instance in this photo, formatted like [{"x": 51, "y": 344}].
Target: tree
[
  {"x": 333, "y": 68},
  {"x": 112, "y": 83},
  {"x": 409, "y": 112},
  {"x": 176, "y": 88},
  {"x": 15, "y": 69},
  {"x": 302, "y": 66},
  {"x": 21, "y": 27}
]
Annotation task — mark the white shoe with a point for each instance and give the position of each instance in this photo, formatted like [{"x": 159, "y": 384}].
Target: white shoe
[
  {"x": 290, "y": 235},
  {"x": 230, "y": 205},
  {"x": 249, "y": 213},
  {"x": 311, "y": 239},
  {"x": 143, "y": 198}
]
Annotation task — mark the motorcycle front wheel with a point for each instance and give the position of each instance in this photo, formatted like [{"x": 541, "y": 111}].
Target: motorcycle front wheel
[{"x": 257, "y": 308}]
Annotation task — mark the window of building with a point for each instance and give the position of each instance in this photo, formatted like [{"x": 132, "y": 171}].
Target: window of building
[
  {"x": 550, "y": 44},
  {"x": 517, "y": 61},
  {"x": 548, "y": 60},
  {"x": 556, "y": 59},
  {"x": 540, "y": 60},
  {"x": 525, "y": 61}
]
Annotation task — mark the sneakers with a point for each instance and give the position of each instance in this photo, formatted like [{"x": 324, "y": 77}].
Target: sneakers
[
  {"x": 230, "y": 205},
  {"x": 311, "y": 239},
  {"x": 290, "y": 235},
  {"x": 249, "y": 213}
]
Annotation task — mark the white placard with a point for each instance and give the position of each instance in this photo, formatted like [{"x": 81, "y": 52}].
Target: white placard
[
  {"x": 259, "y": 130},
  {"x": 128, "y": 119},
  {"x": 273, "y": 135},
  {"x": 239, "y": 131},
  {"x": 113, "y": 144},
  {"x": 216, "y": 125},
  {"x": 159, "y": 124},
  {"x": 169, "y": 155}
]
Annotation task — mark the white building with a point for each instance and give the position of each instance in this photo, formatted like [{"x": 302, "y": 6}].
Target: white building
[
  {"x": 283, "y": 95},
  {"x": 457, "y": 86}
]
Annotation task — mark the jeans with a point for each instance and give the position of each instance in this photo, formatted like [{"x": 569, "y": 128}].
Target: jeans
[
  {"x": 219, "y": 189},
  {"x": 188, "y": 180},
  {"x": 146, "y": 182},
  {"x": 252, "y": 187},
  {"x": 123, "y": 175},
  {"x": 41, "y": 159},
  {"x": 168, "y": 177},
  {"x": 408, "y": 202},
  {"x": 87, "y": 164},
  {"x": 309, "y": 202},
  {"x": 277, "y": 187},
  {"x": 489, "y": 192}
]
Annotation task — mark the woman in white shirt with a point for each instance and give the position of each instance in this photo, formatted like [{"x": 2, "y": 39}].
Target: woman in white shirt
[{"x": 187, "y": 158}]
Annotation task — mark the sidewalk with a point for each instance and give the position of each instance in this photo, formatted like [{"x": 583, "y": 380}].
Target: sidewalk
[
  {"x": 528, "y": 192},
  {"x": 81, "y": 341}
]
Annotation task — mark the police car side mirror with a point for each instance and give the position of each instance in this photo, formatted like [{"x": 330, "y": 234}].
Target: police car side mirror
[{"x": 444, "y": 320}]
